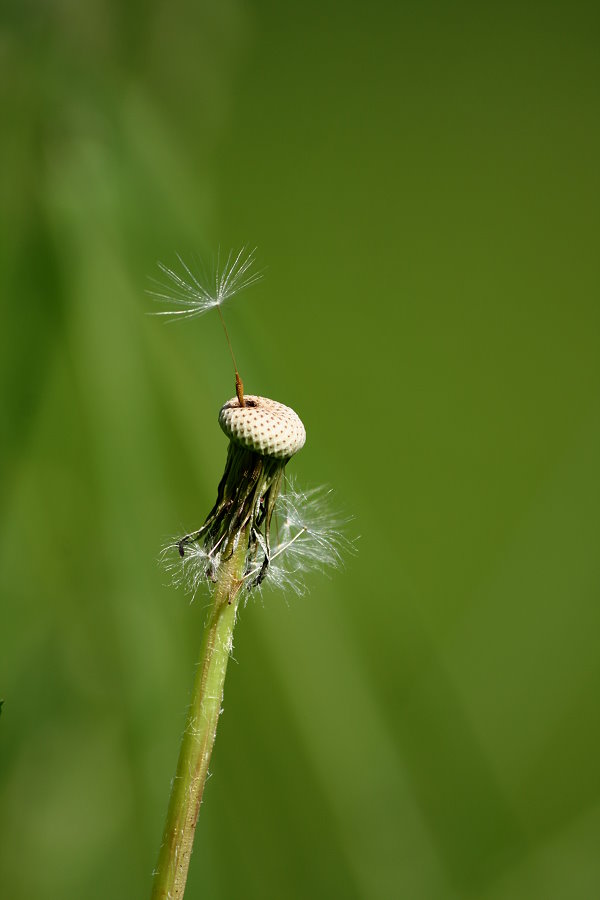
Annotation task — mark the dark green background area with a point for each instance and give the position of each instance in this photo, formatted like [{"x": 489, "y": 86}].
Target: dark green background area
[{"x": 422, "y": 184}]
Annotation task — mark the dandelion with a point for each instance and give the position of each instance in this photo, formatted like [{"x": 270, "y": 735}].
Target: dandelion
[{"x": 261, "y": 528}]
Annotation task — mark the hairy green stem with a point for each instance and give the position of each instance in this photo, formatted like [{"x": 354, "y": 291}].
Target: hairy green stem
[{"x": 171, "y": 871}]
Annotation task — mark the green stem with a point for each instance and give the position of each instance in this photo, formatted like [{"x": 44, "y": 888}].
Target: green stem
[{"x": 171, "y": 871}]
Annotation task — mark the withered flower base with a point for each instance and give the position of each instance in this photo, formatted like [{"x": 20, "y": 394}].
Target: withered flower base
[{"x": 263, "y": 436}]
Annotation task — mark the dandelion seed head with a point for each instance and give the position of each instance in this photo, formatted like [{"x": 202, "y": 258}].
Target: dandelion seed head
[
  {"x": 265, "y": 426},
  {"x": 193, "y": 293}
]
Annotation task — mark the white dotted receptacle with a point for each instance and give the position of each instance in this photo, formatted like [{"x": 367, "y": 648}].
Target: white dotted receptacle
[{"x": 265, "y": 426}]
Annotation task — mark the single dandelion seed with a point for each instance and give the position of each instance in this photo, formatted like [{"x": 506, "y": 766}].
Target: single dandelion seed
[{"x": 195, "y": 294}]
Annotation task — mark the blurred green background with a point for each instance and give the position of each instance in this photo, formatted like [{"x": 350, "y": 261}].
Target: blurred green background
[{"x": 422, "y": 183}]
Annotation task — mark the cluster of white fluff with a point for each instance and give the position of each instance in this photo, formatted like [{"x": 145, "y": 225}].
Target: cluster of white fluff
[
  {"x": 308, "y": 535},
  {"x": 311, "y": 535}
]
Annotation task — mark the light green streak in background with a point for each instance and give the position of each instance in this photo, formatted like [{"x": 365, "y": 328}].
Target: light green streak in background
[{"x": 422, "y": 185}]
